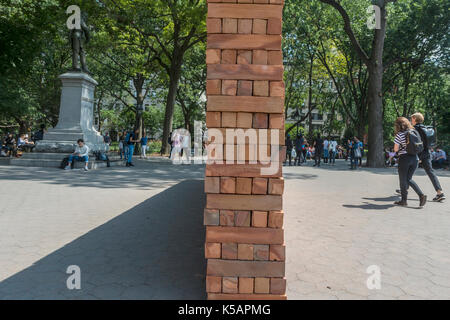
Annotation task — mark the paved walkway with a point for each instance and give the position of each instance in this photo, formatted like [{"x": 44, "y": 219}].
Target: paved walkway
[
  {"x": 340, "y": 222},
  {"x": 137, "y": 234}
]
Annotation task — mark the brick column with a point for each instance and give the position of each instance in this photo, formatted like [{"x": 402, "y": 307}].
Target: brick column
[{"x": 243, "y": 216}]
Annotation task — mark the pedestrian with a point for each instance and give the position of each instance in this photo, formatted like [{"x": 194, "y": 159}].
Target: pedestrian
[
  {"x": 332, "y": 150},
  {"x": 144, "y": 142},
  {"x": 347, "y": 150},
  {"x": 186, "y": 145},
  {"x": 305, "y": 150},
  {"x": 357, "y": 153},
  {"x": 107, "y": 140},
  {"x": 361, "y": 150},
  {"x": 176, "y": 145},
  {"x": 325, "y": 150},
  {"x": 352, "y": 154},
  {"x": 121, "y": 146},
  {"x": 318, "y": 149},
  {"x": 289, "y": 146},
  {"x": 170, "y": 142},
  {"x": 299, "y": 150},
  {"x": 408, "y": 162},
  {"x": 130, "y": 141},
  {"x": 417, "y": 120}
]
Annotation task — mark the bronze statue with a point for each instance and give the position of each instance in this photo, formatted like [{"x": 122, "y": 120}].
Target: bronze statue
[{"x": 78, "y": 38}]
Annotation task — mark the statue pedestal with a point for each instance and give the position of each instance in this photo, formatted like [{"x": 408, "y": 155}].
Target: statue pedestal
[{"x": 76, "y": 116}]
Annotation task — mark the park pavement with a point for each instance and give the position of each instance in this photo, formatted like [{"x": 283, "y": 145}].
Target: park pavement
[{"x": 137, "y": 233}]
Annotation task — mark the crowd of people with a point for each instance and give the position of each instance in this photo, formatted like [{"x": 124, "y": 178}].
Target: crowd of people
[
  {"x": 438, "y": 158},
  {"x": 127, "y": 143},
  {"x": 12, "y": 143},
  {"x": 325, "y": 150}
]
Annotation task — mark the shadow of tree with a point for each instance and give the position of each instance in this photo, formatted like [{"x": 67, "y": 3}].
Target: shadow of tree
[
  {"x": 152, "y": 251},
  {"x": 146, "y": 175}
]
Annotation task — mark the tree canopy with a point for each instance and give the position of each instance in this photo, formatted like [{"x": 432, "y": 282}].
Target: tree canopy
[{"x": 149, "y": 59}]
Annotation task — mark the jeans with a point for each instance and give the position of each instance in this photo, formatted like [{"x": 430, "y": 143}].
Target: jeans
[
  {"x": 78, "y": 158},
  {"x": 325, "y": 155},
  {"x": 144, "y": 150},
  {"x": 130, "y": 153},
  {"x": 407, "y": 165},
  {"x": 289, "y": 156},
  {"x": 332, "y": 156},
  {"x": 353, "y": 162},
  {"x": 317, "y": 157},
  {"x": 438, "y": 163},
  {"x": 428, "y": 167},
  {"x": 299, "y": 158}
]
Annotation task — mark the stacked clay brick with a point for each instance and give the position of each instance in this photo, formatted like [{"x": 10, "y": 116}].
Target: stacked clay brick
[{"x": 243, "y": 216}]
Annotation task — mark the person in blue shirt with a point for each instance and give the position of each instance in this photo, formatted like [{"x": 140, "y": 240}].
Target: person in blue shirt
[
  {"x": 130, "y": 140},
  {"x": 144, "y": 143},
  {"x": 360, "y": 146}
]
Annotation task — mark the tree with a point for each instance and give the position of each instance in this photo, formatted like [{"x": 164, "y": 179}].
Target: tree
[{"x": 374, "y": 64}]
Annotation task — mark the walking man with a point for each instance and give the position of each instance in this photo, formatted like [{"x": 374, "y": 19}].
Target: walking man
[
  {"x": 318, "y": 145},
  {"x": 289, "y": 146},
  {"x": 417, "y": 120}
]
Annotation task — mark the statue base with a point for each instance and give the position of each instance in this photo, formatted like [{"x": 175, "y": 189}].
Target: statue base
[{"x": 76, "y": 116}]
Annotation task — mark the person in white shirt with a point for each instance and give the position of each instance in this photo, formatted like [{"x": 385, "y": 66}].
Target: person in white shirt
[
  {"x": 332, "y": 147},
  {"x": 439, "y": 158},
  {"x": 325, "y": 150},
  {"x": 81, "y": 154}
]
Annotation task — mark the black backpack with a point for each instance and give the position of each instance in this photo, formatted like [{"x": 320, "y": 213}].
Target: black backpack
[
  {"x": 65, "y": 162},
  {"x": 414, "y": 143}
]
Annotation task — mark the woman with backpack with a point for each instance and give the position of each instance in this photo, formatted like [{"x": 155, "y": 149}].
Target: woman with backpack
[{"x": 405, "y": 135}]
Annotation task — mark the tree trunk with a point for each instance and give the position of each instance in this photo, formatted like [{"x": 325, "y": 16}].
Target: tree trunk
[
  {"x": 140, "y": 97},
  {"x": 375, "y": 158},
  {"x": 310, "y": 132},
  {"x": 174, "y": 76}
]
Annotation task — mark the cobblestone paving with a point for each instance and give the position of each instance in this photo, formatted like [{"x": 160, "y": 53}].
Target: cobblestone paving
[
  {"x": 137, "y": 234},
  {"x": 340, "y": 222}
]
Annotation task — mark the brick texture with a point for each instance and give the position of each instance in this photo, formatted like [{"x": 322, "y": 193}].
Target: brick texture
[{"x": 244, "y": 243}]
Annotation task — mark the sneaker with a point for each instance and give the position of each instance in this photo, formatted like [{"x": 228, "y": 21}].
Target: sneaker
[
  {"x": 398, "y": 191},
  {"x": 86, "y": 169},
  {"x": 439, "y": 197},
  {"x": 401, "y": 203},
  {"x": 131, "y": 164},
  {"x": 67, "y": 168},
  {"x": 423, "y": 200}
]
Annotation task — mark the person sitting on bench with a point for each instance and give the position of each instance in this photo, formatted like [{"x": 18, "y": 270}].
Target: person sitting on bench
[
  {"x": 24, "y": 144},
  {"x": 81, "y": 154}
]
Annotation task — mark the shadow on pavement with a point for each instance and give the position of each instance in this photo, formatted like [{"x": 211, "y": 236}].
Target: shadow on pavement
[
  {"x": 145, "y": 175},
  {"x": 369, "y": 206},
  {"x": 152, "y": 251}
]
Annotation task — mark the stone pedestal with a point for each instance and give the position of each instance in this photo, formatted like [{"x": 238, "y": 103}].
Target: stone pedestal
[{"x": 75, "y": 117}]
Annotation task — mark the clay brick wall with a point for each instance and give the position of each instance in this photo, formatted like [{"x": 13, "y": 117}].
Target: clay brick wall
[{"x": 244, "y": 214}]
